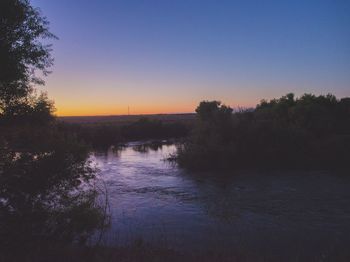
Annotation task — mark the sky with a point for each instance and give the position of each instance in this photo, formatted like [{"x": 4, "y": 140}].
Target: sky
[{"x": 165, "y": 56}]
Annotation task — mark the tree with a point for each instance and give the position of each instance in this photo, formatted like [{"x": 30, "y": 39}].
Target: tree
[
  {"x": 209, "y": 138},
  {"x": 213, "y": 110},
  {"x": 47, "y": 184},
  {"x": 22, "y": 53},
  {"x": 309, "y": 131}
]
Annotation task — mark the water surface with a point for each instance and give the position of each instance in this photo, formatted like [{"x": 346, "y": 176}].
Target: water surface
[{"x": 154, "y": 201}]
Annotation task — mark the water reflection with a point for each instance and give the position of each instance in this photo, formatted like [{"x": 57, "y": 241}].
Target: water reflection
[
  {"x": 138, "y": 146},
  {"x": 161, "y": 203}
]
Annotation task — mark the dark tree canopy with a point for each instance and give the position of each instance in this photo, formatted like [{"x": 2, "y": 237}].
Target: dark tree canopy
[
  {"x": 22, "y": 53},
  {"x": 209, "y": 110},
  {"x": 287, "y": 132},
  {"x": 47, "y": 187}
]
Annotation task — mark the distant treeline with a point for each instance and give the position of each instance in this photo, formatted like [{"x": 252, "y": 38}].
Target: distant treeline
[
  {"x": 306, "y": 132},
  {"x": 103, "y": 135}
]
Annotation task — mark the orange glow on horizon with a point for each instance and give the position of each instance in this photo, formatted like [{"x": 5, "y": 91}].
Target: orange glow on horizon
[
  {"x": 103, "y": 113},
  {"x": 105, "y": 110}
]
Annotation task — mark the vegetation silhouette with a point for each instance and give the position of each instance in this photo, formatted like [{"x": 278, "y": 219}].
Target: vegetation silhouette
[
  {"x": 306, "y": 132},
  {"x": 49, "y": 200},
  {"x": 47, "y": 191},
  {"x": 103, "y": 135}
]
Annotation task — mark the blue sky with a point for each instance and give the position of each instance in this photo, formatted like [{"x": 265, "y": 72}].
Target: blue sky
[{"x": 167, "y": 55}]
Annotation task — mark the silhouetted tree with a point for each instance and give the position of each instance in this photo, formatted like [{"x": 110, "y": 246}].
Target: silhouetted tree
[
  {"x": 213, "y": 111},
  {"x": 46, "y": 182},
  {"x": 305, "y": 132},
  {"x": 22, "y": 54},
  {"x": 210, "y": 138}
]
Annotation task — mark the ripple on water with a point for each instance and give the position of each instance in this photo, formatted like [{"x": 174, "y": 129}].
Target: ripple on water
[{"x": 154, "y": 200}]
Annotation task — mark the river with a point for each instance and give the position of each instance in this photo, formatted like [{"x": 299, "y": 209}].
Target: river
[{"x": 154, "y": 201}]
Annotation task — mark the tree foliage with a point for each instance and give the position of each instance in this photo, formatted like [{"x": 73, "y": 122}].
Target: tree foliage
[
  {"x": 22, "y": 53},
  {"x": 288, "y": 132},
  {"x": 213, "y": 111},
  {"x": 47, "y": 185}
]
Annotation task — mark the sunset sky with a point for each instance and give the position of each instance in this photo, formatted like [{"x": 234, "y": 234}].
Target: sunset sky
[{"x": 165, "y": 56}]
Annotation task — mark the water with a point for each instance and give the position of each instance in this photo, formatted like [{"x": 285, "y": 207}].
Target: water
[{"x": 154, "y": 201}]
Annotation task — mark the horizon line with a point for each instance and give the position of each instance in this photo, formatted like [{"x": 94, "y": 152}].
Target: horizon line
[{"x": 141, "y": 114}]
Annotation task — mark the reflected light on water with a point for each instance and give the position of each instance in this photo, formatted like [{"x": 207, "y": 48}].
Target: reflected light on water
[{"x": 158, "y": 202}]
